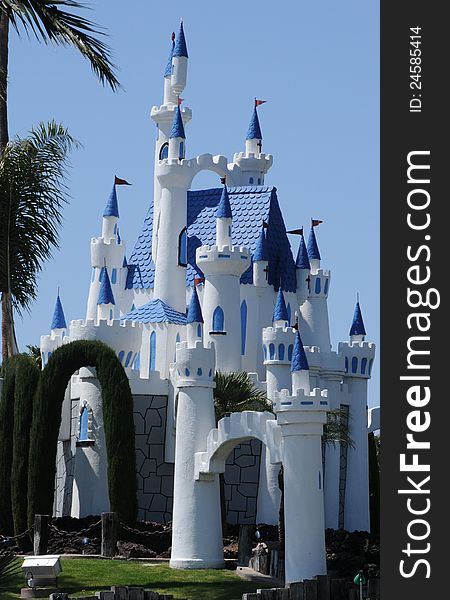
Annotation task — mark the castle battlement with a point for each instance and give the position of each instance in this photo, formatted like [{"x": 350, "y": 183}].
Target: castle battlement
[
  {"x": 304, "y": 406},
  {"x": 226, "y": 260},
  {"x": 165, "y": 112},
  {"x": 358, "y": 358},
  {"x": 195, "y": 365}
]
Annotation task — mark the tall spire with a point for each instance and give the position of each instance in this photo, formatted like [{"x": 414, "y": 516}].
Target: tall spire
[
  {"x": 105, "y": 295},
  {"x": 302, "y": 261},
  {"x": 299, "y": 360},
  {"x": 168, "y": 69},
  {"x": 313, "y": 249},
  {"x": 261, "y": 247},
  {"x": 194, "y": 314},
  {"x": 180, "y": 48},
  {"x": 224, "y": 208},
  {"x": 59, "y": 320},
  {"x": 177, "y": 130},
  {"x": 280, "y": 312},
  {"x": 254, "y": 129},
  {"x": 112, "y": 208},
  {"x": 357, "y": 327}
]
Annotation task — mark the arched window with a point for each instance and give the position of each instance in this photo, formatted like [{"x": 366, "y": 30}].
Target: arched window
[
  {"x": 152, "y": 357},
  {"x": 129, "y": 355},
  {"x": 218, "y": 319},
  {"x": 265, "y": 352},
  {"x": 137, "y": 362},
  {"x": 199, "y": 372},
  {"x": 182, "y": 151},
  {"x": 325, "y": 287},
  {"x": 346, "y": 364},
  {"x": 317, "y": 285},
  {"x": 288, "y": 309},
  {"x": 114, "y": 276},
  {"x": 272, "y": 351},
  {"x": 110, "y": 314},
  {"x": 243, "y": 326},
  {"x": 259, "y": 180},
  {"x": 281, "y": 351},
  {"x": 164, "y": 152},
  {"x": 121, "y": 355},
  {"x": 84, "y": 423},
  {"x": 363, "y": 366},
  {"x": 182, "y": 248},
  {"x": 199, "y": 330},
  {"x": 354, "y": 364},
  {"x": 251, "y": 180},
  {"x": 290, "y": 350}
]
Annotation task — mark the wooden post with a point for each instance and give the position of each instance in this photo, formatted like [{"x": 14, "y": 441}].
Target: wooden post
[
  {"x": 109, "y": 534},
  {"x": 40, "y": 538},
  {"x": 245, "y": 544},
  {"x": 323, "y": 587},
  {"x": 297, "y": 590},
  {"x": 135, "y": 593},
  {"x": 120, "y": 592},
  {"x": 310, "y": 587},
  {"x": 338, "y": 589}
]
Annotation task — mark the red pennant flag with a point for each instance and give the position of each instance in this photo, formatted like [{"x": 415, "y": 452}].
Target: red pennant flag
[
  {"x": 118, "y": 181},
  {"x": 259, "y": 102},
  {"x": 173, "y": 36},
  {"x": 315, "y": 222},
  {"x": 180, "y": 100},
  {"x": 296, "y": 231}
]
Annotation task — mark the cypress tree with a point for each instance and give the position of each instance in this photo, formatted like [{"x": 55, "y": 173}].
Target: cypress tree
[{"x": 6, "y": 445}]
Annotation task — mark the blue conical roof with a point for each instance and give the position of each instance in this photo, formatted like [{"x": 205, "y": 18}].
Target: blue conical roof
[
  {"x": 106, "y": 295},
  {"x": 280, "y": 312},
  {"x": 302, "y": 261},
  {"x": 194, "y": 314},
  {"x": 357, "y": 327},
  {"x": 299, "y": 360},
  {"x": 124, "y": 263},
  {"x": 168, "y": 69},
  {"x": 59, "y": 320},
  {"x": 112, "y": 208},
  {"x": 261, "y": 247},
  {"x": 313, "y": 249},
  {"x": 180, "y": 48},
  {"x": 224, "y": 208},
  {"x": 254, "y": 130},
  {"x": 177, "y": 130}
]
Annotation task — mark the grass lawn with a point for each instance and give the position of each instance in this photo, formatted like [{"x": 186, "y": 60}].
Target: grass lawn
[{"x": 84, "y": 577}]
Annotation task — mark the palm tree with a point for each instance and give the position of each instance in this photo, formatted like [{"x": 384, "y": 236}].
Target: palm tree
[
  {"x": 236, "y": 392},
  {"x": 32, "y": 193},
  {"x": 49, "y": 22},
  {"x": 9, "y": 568}
]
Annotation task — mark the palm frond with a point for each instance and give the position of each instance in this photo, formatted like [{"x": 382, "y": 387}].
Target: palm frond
[
  {"x": 236, "y": 392},
  {"x": 49, "y": 22},
  {"x": 336, "y": 430},
  {"x": 32, "y": 193},
  {"x": 9, "y": 567}
]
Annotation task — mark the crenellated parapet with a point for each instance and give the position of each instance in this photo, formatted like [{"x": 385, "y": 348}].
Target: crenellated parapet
[
  {"x": 227, "y": 260},
  {"x": 194, "y": 365},
  {"x": 278, "y": 344},
  {"x": 358, "y": 358}
]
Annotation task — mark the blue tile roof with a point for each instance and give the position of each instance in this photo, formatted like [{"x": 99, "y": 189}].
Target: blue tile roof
[
  {"x": 357, "y": 327},
  {"x": 313, "y": 248},
  {"x": 112, "y": 208},
  {"x": 254, "y": 130},
  {"x": 168, "y": 69},
  {"x": 261, "y": 247},
  {"x": 299, "y": 360},
  {"x": 302, "y": 261},
  {"x": 156, "y": 311},
  {"x": 280, "y": 312},
  {"x": 224, "y": 208},
  {"x": 177, "y": 130},
  {"x": 194, "y": 314},
  {"x": 59, "y": 320},
  {"x": 180, "y": 48},
  {"x": 251, "y": 205},
  {"x": 105, "y": 295}
]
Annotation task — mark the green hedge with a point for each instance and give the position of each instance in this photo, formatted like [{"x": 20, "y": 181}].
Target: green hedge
[
  {"x": 6, "y": 445},
  {"x": 118, "y": 425}
]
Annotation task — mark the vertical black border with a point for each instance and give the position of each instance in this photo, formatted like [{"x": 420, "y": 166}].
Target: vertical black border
[{"x": 401, "y": 133}]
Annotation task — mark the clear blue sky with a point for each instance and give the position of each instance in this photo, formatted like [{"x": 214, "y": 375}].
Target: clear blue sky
[{"x": 316, "y": 64}]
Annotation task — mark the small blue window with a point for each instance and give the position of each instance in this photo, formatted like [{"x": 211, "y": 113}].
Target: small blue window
[
  {"x": 182, "y": 150},
  {"x": 243, "y": 326},
  {"x": 152, "y": 358},
  {"x": 93, "y": 274},
  {"x": 354, "y": 364},
  {"x": 272, "y": 351},
  {"x": 129, "y": 355},
  {"x": 187, "y": 372},
  {"x": 363, "y": 366},
  {"x": 199, "y": 372},
  {"x": 317, "y": 286},
  {"x": 110, "y": 314},
  {"x": 199, "y": 330},
  {"x": 114, "y": 276},
  {"x": 265, "y": 352},
  {"x": 281, "y": 351},
  {"x": 259, "y": 180},
  {"x": 121, "y": 355},
  {"x": 229, "y": 230},
  {"x": 288, "y": 309},
  {"x": 325, "y": 287},
  {"x": 137, "y": 362},
  {"x": 84, "y": 422},
  {"x": 290, "y": 350},
  {"x": 210, "y": 373},
  {"x": 218, "y": 319},
  {"x": 346, "y": 364},
  {"x": 182, "y": 248},
  {"x": 251, "y": 180},
  {"x": 164, "y": 152}
]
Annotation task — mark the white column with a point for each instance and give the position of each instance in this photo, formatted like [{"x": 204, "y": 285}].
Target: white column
[{"x": 332, "y": 460}]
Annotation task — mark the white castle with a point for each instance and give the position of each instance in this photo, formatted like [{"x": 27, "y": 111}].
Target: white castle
[{"x": 212, "y": 285}]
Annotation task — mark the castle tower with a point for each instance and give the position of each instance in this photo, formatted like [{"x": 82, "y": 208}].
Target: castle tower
[
  {"x": 196, "y": 526},
  {"x": 105, "y": 304},
  {"x": 314, "y": 322},
  {"x": 252, "y": 164},
  {"x": 303, "y": 267},
  {"x": 49, "y": 343},
  {"x": 358, "y": 357},
  {"x": 301, "y": 417},
  {"x": 300, "y": 367},
  {"x": 179, "y": 63},
  {"x": 108, "y": 251},
  {"x": 223, "y": 265},
  {"x": 194, "y": 320}
]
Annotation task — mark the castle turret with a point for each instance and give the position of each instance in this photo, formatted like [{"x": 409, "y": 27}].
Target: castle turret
[
  {"x": 260, "y": 261},
  {"x": 58, "y": 327},
  {"x": 179, "y": 62},
  {"x": 280, "y": 313},
  {"x": 223, "y": 265},
  {"x": 169, "y": 94},
  {"x": 105, "y": 303},
  {"x": 196, "y": 526},
  {"x": 313, "y": 251},
  {"x": 177, "y": 136},
  {"x": 110, "y": 219},
  {"x": 303, "y": 268},
  {"x": 299, "y": 367},
  {"x": 194, "y": 319},
  {"x": 358, "y": 356}
]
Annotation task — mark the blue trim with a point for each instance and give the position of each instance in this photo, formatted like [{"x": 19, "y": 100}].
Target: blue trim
[
  {"x": 127, "y": 361},
  {"x": 114, "y": 276},
  {"x": 199, "y": 330},
  {"x": 58, "y": 320},
  {"x": 137, "y": 362},
  {"x": 271, "y": 351},
  {"x": 243, "y": 326},
  {"x": 194, "y": 314},
  {"x": 357, "y": 327},
  {"x": 182, "y": 248},
  {"x": 299, "y": 360},
  {"x": 254, "y": 129},
  {"x": 164, "y": 151},
  {"x": 354, "y": 364},
  {"x": 152, "y": 355},
  {"x": 180, "y": 48},
  {"x": 317, "y": 285},
  {"x": 224, "y": 208},
  {"x": 325, "y": 287},
  {"x": 121, "y": 355},
  {"x": 218, "y": 319},
  {"x": 281, "y": 349},
  {"x": 363, "y": 366},
  {"x": 112, "y": 207},
  {"x": 177, "y": 130},
  {"x": 84, "y": 422},
  {"x": 182, "y": 151},
  {"x": 280, "y": 312},
  {"x": 313, "y": 249}
]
